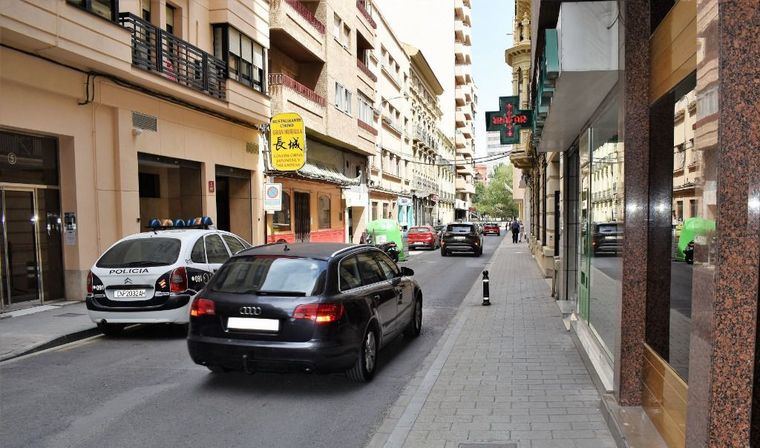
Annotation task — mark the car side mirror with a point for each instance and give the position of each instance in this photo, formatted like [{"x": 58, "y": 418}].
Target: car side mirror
[{"x": 406, "y": 272}]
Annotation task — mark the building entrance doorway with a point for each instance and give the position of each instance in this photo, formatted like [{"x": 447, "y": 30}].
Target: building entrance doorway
[
  {"x": 303, "y": 216},
  {"x": 233, "y": 201}
]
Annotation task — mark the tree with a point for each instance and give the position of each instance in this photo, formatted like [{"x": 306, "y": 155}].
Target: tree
[{"x": 495, "y": 199}]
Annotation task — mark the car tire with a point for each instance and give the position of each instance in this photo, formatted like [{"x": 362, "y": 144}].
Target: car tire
[
  {"x": 414, "y": 328},
  {"x": 217, "y": 369},
  {"x": 478, "y": 252},
  {"x": 364, "y": 368},
  {"x": 111, "y": 330}
]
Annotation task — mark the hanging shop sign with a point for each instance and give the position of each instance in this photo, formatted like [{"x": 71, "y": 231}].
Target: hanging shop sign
[
  {"x": 287, "y": 142},
  {"x": 508, "y": 120},
  {"x": 272, "y": 197}
]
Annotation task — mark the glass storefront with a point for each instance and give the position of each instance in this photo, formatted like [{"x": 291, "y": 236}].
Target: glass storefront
[{"x": 600, "y": 230}]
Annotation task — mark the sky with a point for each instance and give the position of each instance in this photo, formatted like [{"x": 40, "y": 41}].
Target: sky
[{"x": 492, "y": 20}]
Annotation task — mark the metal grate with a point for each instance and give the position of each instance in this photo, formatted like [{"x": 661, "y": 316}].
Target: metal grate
[{"x": 142, "y": 121}]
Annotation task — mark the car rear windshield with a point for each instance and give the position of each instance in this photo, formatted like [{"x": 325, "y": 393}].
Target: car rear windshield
[
  {"x": 270, "y": 275},
  {"x": 141, "y": 252},
  {"x": 419, "y": 230},
  {"x": 459, "y": 228}
]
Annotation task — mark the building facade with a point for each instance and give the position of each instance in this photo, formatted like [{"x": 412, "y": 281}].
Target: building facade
[
  {"x": 465, "y": 98},
  {"x": 113, "y": 113},
  {"x": 323, "y": 67},
  {"x": 621, "y": 184}
]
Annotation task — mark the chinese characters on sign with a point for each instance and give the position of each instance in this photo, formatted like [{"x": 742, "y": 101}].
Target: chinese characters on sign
[
  {"x": 508, "y": 120},
  {"x": 287, "y": 142}
]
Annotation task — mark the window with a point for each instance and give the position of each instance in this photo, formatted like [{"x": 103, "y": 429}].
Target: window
[
  {"x": 386, "y": 215},
  {"x": 282, "y": 218},
  {"x": 693, "y": 204},
  {"x": 273, "y": 275},
  {"x": 198, "y": 255},
  {"x": 324, "y": 212},
  {"x": 369, "y": 269},
  {"x": 215, "y": 250},
  {"x": 365, "y": 109},
  {"x": 390, "y": 271},
  {"x": 342, "y": 98},
  {"x": 245, "y": 57},
  {"x": 341, "y": 32},
  {"x": 107, "y": 9},
  {"x": 679, "y": 210},
  {"x": 170, "y": 10},
  {"x": 142, "y": 252},
  {"x": 374, "y": 211},
  {"x": 349, "y": 276},
  {"x": 233, "y": 243},
  {"x": 145, "y": 9}
]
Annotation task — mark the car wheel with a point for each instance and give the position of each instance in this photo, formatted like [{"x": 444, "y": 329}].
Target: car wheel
[
  {"x": 415, "y": 325},
  {"x": 444, "y": 253},
  {"x": 111, "y": 330},
  {"x": 479, "y": 252},
  {"x": 218, "y": 369},
  {"x": 364, "y": 368}
]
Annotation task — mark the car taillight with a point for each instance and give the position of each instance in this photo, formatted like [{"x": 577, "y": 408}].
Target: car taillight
[
  {"x": 178, "y": 280},
  {"x": 321, "y": 313},
  {"x": 202, "y": 307},
  {"x": 89, "y": 282}
]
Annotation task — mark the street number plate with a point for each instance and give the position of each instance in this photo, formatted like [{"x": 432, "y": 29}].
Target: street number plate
[
  {"x": 253, "y": 323},
  {"x": 129, "y": 294}
]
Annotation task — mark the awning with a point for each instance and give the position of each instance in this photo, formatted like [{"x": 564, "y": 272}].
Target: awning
[{"x": 313, "y": 171}]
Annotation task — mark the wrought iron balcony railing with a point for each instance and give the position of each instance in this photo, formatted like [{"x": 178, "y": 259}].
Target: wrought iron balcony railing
[{"x": 162, "y": 53}]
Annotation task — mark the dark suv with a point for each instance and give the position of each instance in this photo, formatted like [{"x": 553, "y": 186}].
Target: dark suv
[
  {"x": 462, "y": 237},
  {"x": 607, "y": 238},
  {"x": 304, "y": 307}
]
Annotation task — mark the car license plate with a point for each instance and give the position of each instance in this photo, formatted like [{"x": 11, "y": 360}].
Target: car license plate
[
  {"x": 253, "y": 323},
  {"x": 612, "y": 237},
  {"x": 129, "y": 294},
  {"x": 459, "y": 238}
]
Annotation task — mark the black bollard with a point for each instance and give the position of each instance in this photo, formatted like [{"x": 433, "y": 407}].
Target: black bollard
[{"x": 486, "y": 294}]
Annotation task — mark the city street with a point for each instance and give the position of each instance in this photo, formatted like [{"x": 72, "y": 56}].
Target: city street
[{"x": 143, "y": 389}]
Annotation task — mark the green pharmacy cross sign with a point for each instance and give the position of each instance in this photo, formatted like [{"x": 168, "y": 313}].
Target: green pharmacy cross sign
[{"x": 508, "y": 120}]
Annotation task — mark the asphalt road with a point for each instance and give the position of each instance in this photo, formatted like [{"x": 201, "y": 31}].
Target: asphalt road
[{"x": 143, "y": 390}]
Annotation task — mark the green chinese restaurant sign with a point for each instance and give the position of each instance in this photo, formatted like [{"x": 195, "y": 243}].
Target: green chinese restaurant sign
[{"x": 508, "y": 120}]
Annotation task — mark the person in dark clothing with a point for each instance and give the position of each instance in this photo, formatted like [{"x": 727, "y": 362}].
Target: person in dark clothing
[{"x": 515, "y": 231}]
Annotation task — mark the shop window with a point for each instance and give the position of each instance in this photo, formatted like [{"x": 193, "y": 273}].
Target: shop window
[
  {"x": 149, "y": 185},
  {"x": 324, "y": 212},
  {"x": 245, "y": 57},
  {"x": 281, "y": 219},
  {"x": 107, "y": 9}
]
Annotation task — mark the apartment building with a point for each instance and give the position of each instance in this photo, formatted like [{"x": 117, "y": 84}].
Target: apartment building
[
  {"x": 390, "y": 181},
  {"x": 634, "y": 155},
  {"x": 323, "y": 66},
  {"x": 115, "y": 112},
  {"x": 465, "y": 99},
  {"x": 444, "y": 208},
  {"x": 424, "y": 90}
]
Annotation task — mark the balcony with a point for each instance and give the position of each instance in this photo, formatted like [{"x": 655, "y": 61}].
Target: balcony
[
  {"x": 296, "y": 31},
  {"x": 366, "y": 75},
  {"x": 460, "y": 119},
  {"x": 461, "y": 53},
  {"x": 464, "y": 186},
  {"x": 458, "y": 31},
  {"x": 460, "y": 141},
  {"x": 366, "y": 126},
  {"x": 289, "y": 95},
  {"x": 361, "y": 5},
  {"x": 165, "y": 55},
  {"x": 459, "y": 95},
  {"x": 467, "y": 112}
]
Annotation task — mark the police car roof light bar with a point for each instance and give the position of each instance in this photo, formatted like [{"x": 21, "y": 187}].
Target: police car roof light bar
[{"x": 201, "y": 222}]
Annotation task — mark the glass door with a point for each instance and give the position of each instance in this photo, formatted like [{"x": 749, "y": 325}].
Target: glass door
[{"x": 19, "y": 249}]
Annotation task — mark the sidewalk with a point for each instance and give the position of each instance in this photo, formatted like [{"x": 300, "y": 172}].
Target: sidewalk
[
  {"x": 504, "y": 376},
  {"x": 38, "y": 328}
]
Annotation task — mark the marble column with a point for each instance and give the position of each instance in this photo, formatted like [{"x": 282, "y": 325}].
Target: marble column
[
  {"x": 635, "y": 135},
  {"x": 724, "y": 349}
]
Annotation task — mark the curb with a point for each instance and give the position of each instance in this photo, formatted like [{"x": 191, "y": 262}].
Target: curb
[{"x": 61, "y": 340}]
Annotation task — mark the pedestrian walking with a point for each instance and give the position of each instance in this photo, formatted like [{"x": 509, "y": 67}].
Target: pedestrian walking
[{"x": 515, "y": 231}]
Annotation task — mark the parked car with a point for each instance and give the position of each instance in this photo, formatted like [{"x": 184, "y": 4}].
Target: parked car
[
  {"x": 306, "y": 307},
  {"x": 607, "y": 238},
  {"x": 424, "y": 236},
  {"x": 150, "y": 277},
  {"x": 462, "y": 237},
  {"x": 491, "y": 228}
]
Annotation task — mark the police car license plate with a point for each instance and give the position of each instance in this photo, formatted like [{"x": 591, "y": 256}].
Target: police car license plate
[
  {"x": 129, "y": 294},
  {"x": 253, "y": 323}
]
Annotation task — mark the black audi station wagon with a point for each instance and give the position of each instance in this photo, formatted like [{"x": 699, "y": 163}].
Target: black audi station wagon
[{"x": 306, "y": 307}]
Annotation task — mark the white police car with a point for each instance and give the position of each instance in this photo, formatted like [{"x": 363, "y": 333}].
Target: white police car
[{"x": 151, "y": 277}]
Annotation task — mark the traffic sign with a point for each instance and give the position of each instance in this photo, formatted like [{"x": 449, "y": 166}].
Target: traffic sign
[
  {"x": 272, "y": 197},
  {"x": 287, "y": 142}
]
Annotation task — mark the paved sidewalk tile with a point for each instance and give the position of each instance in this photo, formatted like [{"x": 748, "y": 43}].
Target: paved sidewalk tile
[{"x": 506, "y": 375}]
